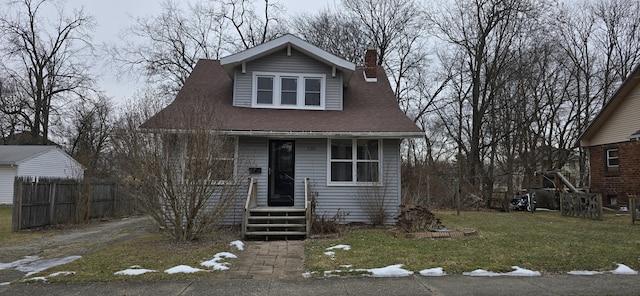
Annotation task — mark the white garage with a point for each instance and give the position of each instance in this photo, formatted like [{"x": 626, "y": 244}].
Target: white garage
[{"x": 35, "y": 162}]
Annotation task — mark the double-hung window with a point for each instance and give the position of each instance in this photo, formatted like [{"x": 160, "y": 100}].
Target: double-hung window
[
  {"x": 288, "y": 90},
  {"x": 354, "y": 161},
  {"x": 211, "y": 159},
  {"x": 612, "y": 159}
]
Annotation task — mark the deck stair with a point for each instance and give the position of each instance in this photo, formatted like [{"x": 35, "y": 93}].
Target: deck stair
[{"x": 276, "y": 223}]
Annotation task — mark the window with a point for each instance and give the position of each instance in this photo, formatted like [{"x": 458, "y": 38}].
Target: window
[
  {"x": 613, "y": 161},
  {"x": 354, "y": 161},
  {"x": 264, "y": 92},
  {"x": 312, "y": 91},
  {"x": 288, "y": 90},
  {"x": 215, "y": 162}
]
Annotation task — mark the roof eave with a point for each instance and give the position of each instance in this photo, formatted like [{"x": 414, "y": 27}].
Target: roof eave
[
  {"x": 584, "y": 139},
  {"x": 229, "y": 63},
  {"x": 306, "y": 134}
]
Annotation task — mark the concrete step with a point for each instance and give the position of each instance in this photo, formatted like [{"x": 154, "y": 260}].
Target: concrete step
[
  {"x": 277, "y": 210},
  {"x": 276, "y": 225},
  {"x": 275, "y": 233},
  {"x": 276, "y": 217}
]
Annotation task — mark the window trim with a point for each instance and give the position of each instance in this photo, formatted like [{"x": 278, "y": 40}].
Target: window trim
[
  {"x": 277, "y": 90},
  {"x": 608, "y": 157},
  {"x": 354, "y": 163},
  {"x": 234, "y": 142}
]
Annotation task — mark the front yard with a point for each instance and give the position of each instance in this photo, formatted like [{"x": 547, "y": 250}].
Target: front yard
[{"x": 544, "y": 242}]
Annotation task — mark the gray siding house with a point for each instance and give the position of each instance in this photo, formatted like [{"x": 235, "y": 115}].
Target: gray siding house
[{"x": 306, "y": 124}]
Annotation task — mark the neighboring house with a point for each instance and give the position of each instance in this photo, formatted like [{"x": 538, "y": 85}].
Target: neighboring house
[
  {"x": 24, "y": 138},
  {"x": 613, "y": 141},
  {"x": 35, "y": 162},
  {"x": 297, "y": 112}
]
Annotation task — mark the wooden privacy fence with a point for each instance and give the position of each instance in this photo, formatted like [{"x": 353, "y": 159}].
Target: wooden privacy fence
[
  {"x": 582, "y": 205},
  {"x": 634, "y": 207},
  {"x": 56, "y": 201}
]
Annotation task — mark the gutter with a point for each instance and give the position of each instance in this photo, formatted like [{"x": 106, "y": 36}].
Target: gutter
[{"x": 308, "y": 134}]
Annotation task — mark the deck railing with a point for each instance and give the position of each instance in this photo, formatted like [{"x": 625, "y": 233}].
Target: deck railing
[
  {"x": 307, "y": 204},
  {"x": 251, "y": 202}
]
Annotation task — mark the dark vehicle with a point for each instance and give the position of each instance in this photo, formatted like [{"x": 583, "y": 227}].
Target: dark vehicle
[{"x": 524, "y": 202}]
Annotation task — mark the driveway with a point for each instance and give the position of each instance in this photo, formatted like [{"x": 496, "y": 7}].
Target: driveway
[{"x": 76, "y": 241}]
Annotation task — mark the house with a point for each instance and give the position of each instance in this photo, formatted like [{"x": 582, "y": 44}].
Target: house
[
  {"x": 613, "y": 142},
  {"x": 302, "y": 117},
  {"x": 36, "y": 162}
]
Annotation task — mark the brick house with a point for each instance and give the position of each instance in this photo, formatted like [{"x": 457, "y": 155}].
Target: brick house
[{"x": 613, "y": 143}]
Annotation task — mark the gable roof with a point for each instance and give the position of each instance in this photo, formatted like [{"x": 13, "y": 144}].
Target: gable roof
[
  {"x": 229, "y": 63},
  {"x": 23, "y": 138},
  {"x": 623, "y": 92},
  {"x": 14, "y": 155},
  {"x": 369, "y": 109}
]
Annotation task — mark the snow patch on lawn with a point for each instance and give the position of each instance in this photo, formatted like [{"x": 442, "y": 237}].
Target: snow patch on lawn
[
  {"x": 17, "y": 263},
  {"x": 134, "y": 270},
  {"x": 390, "y": 271},
  {"x": 584, "y": 272},
  {"x": 40, "y": 265},
  {"x": 238, "y": 244},
  {"x": 182, "y": 269},
  {"x": 438, "y": 271},
  {"x": 215, "y": 262},
  {"x": 623, "y": 269},
  {"x": 516, "y": 272},
  {"x": 343, "y": 247}
]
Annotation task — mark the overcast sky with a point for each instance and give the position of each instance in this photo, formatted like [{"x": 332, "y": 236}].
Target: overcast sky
[{"x": 114, "y": 15}]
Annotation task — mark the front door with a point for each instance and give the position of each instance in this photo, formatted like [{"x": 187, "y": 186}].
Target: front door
[{"x": 281, "y": 173}]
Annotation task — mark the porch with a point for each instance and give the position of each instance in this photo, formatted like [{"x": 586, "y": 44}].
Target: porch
[{"x": 275, "y": 222}]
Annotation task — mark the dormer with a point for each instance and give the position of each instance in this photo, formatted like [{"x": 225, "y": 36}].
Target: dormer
[{"x": 288, "y": 73}]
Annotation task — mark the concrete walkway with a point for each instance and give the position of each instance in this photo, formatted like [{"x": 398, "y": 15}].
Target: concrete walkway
[{"x": 269, "y": 260}]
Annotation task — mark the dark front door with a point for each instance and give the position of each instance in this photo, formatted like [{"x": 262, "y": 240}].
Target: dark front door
[{"x": 281, "y": 173}]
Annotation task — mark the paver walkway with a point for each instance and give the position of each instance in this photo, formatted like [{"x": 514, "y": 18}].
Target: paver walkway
[{"x": 269, "y": 260}]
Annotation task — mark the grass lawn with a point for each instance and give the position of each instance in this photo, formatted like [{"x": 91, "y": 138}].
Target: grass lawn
[
  {"x": 153, "y": 251},
  {"x": 543, "y": 241},
  {"x": 7, "y": 237}
]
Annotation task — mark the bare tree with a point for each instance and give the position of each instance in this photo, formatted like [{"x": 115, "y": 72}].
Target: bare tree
[
  {"x": 334, "y": 32},
  {"x": 48, "y": 61},
  {"x": 484, "y": 33},
  {"x": 165, "y": 48},
  {"x": 252, "y": 27},
  {"x": 88, "y": 135},
  {"x": 184, "y": 180}
]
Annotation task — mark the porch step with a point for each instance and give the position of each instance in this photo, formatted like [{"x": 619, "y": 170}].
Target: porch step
[
  {"x": 276, "y": 217},
  {"x": 275, "y": 233},
  {"x": 277, "y": 210},
  {"x": 275, "y": 223}
]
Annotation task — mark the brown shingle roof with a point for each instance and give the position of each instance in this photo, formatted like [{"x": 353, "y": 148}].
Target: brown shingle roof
[{"x": 206, "y": 98}]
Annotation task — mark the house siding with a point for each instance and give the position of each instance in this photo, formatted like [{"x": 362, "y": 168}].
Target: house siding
[
  {"x": 311, "y": 162},
  {"x": 53, "y": 163},
  {"x": 7, "y": 176},
  {"x": 622, "y": 183},
  {"x": 624, "y": 121},
  {"x": 296, "y": 63}
]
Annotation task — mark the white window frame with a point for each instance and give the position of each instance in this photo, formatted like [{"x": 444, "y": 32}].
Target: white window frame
[
  {"x": 354, "y": 163},
  {"x": 277, "y": 90},
  {"x": 609, "y": 157}
]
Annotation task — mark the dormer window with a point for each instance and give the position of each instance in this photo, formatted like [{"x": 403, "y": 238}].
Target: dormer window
[{"x": 288, "y": 91}]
